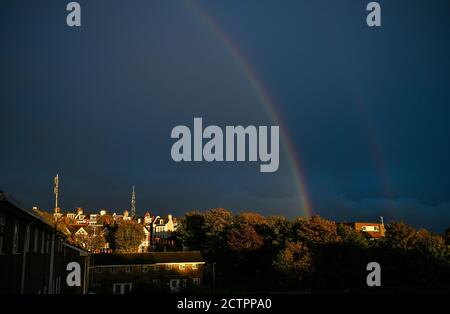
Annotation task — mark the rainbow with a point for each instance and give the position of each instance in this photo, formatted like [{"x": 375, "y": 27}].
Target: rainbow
[{"x": 265, "y": 99}]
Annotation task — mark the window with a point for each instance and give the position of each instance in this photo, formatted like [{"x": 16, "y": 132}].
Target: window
[
  {"x": 128, "y": 287},
  {"x": 182, "y": 266},
  {"x": 47, "y": 250},
  {"x": 155, "y": 283},
  {"x": 122, "y": 288},
  {"x": 194, "y": 266},
  {"x": 98, "y": 270},
  {"x": 36, "y": 239},
  {"x": 196, "y": 281},
  {"x": 2, "y": 230},
  {"x": 168, "y": 266},
  {"x": 43, "y": 242},
  {"x": 27, "y": 240},
  {"x": 16, "y": 237},
  {"x": 183, "y": 283},
  {"x": 128, "y": 269},
  {"x": 144, "y": 269},
  {"x": 371, "y": 228},
  {"x": 113, "y": 269}
]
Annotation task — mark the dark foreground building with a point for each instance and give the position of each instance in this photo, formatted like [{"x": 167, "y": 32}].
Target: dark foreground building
[
  {"x": 34, "y": 255},
  {"x": 145, "y": 272}
]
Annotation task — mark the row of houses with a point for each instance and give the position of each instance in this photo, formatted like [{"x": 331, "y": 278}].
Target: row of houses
[
  {"x": 83, "y": 227},
  {"x": 34, "y": 259},
  {"x": 144, "y": 272}
]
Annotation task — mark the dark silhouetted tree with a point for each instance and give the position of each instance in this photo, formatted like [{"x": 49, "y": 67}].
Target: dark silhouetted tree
[
  {"x": 294, "y": 263},
  {"x": 244, "y": 238}
]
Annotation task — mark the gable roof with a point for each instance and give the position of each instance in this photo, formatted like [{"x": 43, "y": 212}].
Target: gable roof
[
  {"x": 147, "y": 258},
  {"x": 8, "y": 203}
]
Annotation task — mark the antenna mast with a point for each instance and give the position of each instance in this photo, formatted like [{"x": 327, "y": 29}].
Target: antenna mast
[
  {"x": 133, "y": 204},
  {"x": 56, "y": 191}
]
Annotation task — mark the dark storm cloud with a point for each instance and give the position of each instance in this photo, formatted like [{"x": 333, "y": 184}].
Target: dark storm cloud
[{"x": 366, "y": 109}]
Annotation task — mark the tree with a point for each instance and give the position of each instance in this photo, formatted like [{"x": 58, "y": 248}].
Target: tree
[
  {"x": 58, "y": 224},
  {"x": 105, "y": 220},
  {"x": 82, "y": 241},
  {"x": 430, "y": 245},
  {"x": 400, "y": 236},
  {"x": 316, "y": 231},
  {"x": 276, "y": 232},
  {"x": 294, "y": 262},
  {"x": 128, "y": 236},
  {"x": 351, "y": 237},
  {"x": 191, "y": 231},
  {"x": 252, "y": 219},
  {"x": 447, "y": 236},
  {"x": 244, "y": 238},
  {"x": 217, "y": 220},
  {"x": 98, "y": 242}
]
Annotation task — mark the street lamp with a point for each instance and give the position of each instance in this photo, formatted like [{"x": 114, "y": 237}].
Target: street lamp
[{"x": 214, "y": 277}]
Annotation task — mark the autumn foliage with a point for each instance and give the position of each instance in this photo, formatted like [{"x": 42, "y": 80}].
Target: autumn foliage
[{"x": 256, "y": 253}]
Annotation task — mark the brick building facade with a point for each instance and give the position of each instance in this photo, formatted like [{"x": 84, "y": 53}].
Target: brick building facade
[
  {"x": 156, "y": 271},
  {"x": 33, "y": 254}
]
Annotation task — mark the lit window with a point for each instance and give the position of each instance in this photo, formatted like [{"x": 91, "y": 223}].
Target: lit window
[
  {"x": 168, "y": 266},
  {"x": 194, "y": 266},
  {"x": 182, "y": 266},
  {"x": 144, "y": 269}
]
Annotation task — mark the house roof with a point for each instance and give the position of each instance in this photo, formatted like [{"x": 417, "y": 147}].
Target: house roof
[
  {"x": 147, "y": 258},
  {"x": 82, "y": 252},
  {"x": 7, "y": 202}
]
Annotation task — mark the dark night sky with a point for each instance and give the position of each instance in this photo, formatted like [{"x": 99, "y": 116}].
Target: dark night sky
[{"x": 366, "y": 109}]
